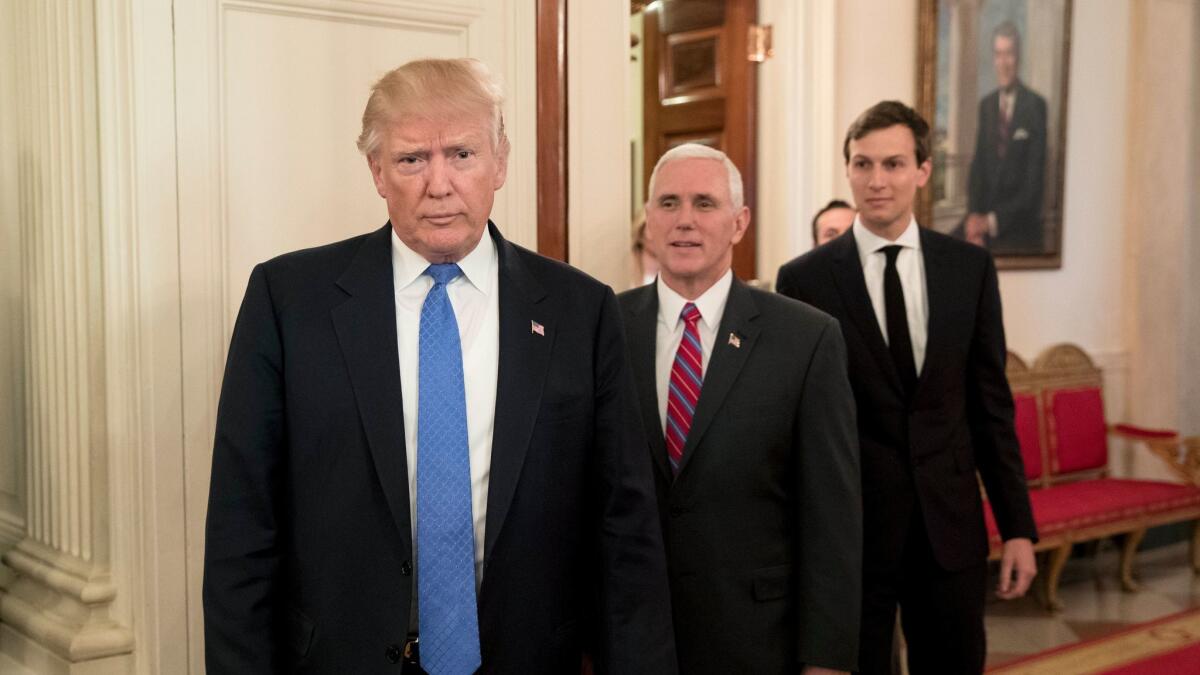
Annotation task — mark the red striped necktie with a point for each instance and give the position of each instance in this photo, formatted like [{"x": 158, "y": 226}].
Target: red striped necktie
[{"x": 687, "y": 375}]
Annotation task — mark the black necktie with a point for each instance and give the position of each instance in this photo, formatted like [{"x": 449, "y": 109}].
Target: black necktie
[{"x": 899, "y": 341}]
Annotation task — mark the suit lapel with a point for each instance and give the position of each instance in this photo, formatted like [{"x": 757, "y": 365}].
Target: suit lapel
[
  {"x": 736, "y": 338},
  {"x": 643, "y": 335},
  {"x": 365, "y": 325},
  {"x": 848, "y": 276},
  {"x": 524, "y": 358},
  {"x": 939, "y": 275}
]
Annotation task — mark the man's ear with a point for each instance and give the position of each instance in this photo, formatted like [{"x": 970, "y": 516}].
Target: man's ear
[
  {"x": 501, "y": 164},
  {"x": 741, "y": 223},
  {"x": 376, "y": 173},
  {"x": 926, "y": 169}
]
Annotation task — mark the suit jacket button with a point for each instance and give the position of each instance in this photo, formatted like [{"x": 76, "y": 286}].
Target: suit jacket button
[
  {"x": 393, "y": 653},
  {"x": 406, "y": 568}
]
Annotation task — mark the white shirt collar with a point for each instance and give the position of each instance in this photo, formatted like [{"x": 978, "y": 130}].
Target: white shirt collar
[
  {"x": 476, "y": 266},
  {"x": 868, "y": 242},
  {"x": 711, "y": 303}
]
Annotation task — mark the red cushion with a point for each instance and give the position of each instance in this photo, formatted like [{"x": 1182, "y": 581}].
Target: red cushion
[
  {"x": 1095, "y": 502},
  {"x": 1027, "y": 434},
  {"x": 1078, "y": 433}
]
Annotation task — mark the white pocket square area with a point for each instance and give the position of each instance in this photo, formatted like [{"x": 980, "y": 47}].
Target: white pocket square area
[{"x": 1020, "y": 134}]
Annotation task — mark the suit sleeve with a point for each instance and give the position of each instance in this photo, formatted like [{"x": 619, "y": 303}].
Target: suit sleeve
[
  {"x": 635, "y": 597},
  {"x": 990, "y": 414},
  {"x": 1015, "y": 208},
  {"x": 977, "y": 180},
  {"x": 785, "y": 284},
  {"x": 829, "y": 511},
  {"x": 241, "y": 558}
]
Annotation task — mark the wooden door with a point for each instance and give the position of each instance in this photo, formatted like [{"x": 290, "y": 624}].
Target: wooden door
[{"x": 700, "y": 86}]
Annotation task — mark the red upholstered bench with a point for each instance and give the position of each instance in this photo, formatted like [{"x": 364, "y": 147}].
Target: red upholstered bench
[{"x": 1064, "y": 444}]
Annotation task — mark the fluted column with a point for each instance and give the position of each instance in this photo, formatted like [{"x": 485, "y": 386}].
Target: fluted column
[{"x": 59, "y": 590}]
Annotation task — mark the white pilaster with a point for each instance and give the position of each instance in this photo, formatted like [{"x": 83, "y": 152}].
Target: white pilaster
[{"x": 57, "y": 590}]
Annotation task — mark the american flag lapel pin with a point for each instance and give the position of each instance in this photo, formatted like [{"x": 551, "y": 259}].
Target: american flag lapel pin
[
  {"x": 735, "y": 341},
  {"x": 537, "y": 328}
]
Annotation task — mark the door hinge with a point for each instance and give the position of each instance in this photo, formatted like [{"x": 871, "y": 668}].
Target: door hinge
[{"x": 758, "y": 43}]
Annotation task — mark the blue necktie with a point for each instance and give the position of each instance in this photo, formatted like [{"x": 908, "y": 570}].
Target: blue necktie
[{"x": 445, "y": 534}]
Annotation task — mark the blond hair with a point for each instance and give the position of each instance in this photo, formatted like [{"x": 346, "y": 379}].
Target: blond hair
[{"x": 433, "y": 88}]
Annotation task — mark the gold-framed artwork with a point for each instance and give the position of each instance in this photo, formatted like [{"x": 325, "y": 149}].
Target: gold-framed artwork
[{"x": 992, "y": 81}]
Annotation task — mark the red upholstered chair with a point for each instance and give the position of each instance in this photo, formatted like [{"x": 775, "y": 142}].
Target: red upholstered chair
[{"x": 1063, "y": 434}]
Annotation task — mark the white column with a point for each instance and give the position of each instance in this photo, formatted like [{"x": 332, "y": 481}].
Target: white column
[{"x": 54, "y": 606}]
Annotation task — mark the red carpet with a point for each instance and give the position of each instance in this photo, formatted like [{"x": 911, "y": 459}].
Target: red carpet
[{"x": 1167, "y": 646}]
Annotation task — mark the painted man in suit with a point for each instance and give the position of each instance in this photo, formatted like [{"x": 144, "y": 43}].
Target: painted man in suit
[
  {"x": 1008, "y": 169},
  {"x": 745, "y": 399},
  {"x": 424, "y": 461},
  {"x": 920, "y": 312}
]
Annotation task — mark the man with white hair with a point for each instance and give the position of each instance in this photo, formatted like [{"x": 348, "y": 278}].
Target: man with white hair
[
  {"x": 751, "y": 420},
  {"x": 424, "y": 461}
]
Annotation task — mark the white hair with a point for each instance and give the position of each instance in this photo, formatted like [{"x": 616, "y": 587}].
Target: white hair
[{"x": 698, "y": 151}]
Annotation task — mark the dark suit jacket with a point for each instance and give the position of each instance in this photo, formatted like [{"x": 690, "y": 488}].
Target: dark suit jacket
[
  {"x": 308, "y": 563},
  {"x": 1012, "y": 187},
  {"x": 763, "y": 525},
  {"x": 924, "y": 452}
]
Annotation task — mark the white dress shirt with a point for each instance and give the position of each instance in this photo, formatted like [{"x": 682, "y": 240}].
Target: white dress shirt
[
  {"x": 475, "y": 297},
  {"x": 910, "y": 265},
  {"x": 670, "y": 330}
]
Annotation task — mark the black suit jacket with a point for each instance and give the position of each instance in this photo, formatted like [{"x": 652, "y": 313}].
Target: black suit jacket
[
  {"x": 309, "y": 558},
  {"x": 763, "y": 525},
  {"x": 1011, "y": 186},
  {"x": 923, "y": 452}
]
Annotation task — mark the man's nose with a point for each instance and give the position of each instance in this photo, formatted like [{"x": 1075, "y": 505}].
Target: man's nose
[
  {"x": 875, "y": 180},
  {"x": 686, "y": 216},
  {"x": 437, "y": 177}
]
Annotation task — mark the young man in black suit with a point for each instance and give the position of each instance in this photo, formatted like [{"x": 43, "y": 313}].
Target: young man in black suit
[
  {"x": 424, "y": 458},
  {"x": 745, "y": 399},
  {"x": 921, "y": 316}
]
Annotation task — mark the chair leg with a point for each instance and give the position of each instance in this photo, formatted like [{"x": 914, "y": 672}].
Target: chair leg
[
  {"x": 1128, "y": 550},
  {"x": 1196, "y": 548},
  {"x": 1058, "y": 560}
]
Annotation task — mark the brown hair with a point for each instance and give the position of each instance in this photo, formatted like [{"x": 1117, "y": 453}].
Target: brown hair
[
  {"x": 833, "y": 204},
  {"x": 888, "y": 114}
]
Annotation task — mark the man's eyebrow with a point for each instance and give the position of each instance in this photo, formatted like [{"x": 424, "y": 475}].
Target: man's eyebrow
[{"x": 666, "y": 195}]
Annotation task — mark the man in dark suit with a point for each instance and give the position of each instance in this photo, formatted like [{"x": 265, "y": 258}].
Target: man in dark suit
[
  {"x": 424, "y": 459},
  {"x": 745, "y": 399},
  {"x": 921, "y": 316},
  {"x": 1008, "y": 169}
]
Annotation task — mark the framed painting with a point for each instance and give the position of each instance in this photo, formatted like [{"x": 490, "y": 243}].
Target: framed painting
[{"x": 992, "y": 81}]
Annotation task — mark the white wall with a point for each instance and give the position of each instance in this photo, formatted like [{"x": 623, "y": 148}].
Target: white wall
[
  {"x": 1080, "y": 302},
  {"x": 598, "y": 132},
  {"x": 876, "y": 61},
  {"x": 1160, "y": 311}
]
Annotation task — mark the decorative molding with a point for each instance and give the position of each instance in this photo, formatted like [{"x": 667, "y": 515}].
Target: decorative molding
[
  {"x": 402, "y": 14},
  {"x": 12, "y": 530},
  {"x": 72, "y": 620}
]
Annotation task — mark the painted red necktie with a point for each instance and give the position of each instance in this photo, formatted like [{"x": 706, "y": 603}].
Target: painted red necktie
[{"x": 687, "y": 374}]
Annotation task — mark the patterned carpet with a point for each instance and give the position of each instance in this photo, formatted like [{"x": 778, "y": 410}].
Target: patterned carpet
[{"x": 1097, "y": 608}]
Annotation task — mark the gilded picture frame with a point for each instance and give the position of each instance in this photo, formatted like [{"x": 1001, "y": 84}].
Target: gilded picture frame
[{"x": 992, "y": 80}]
